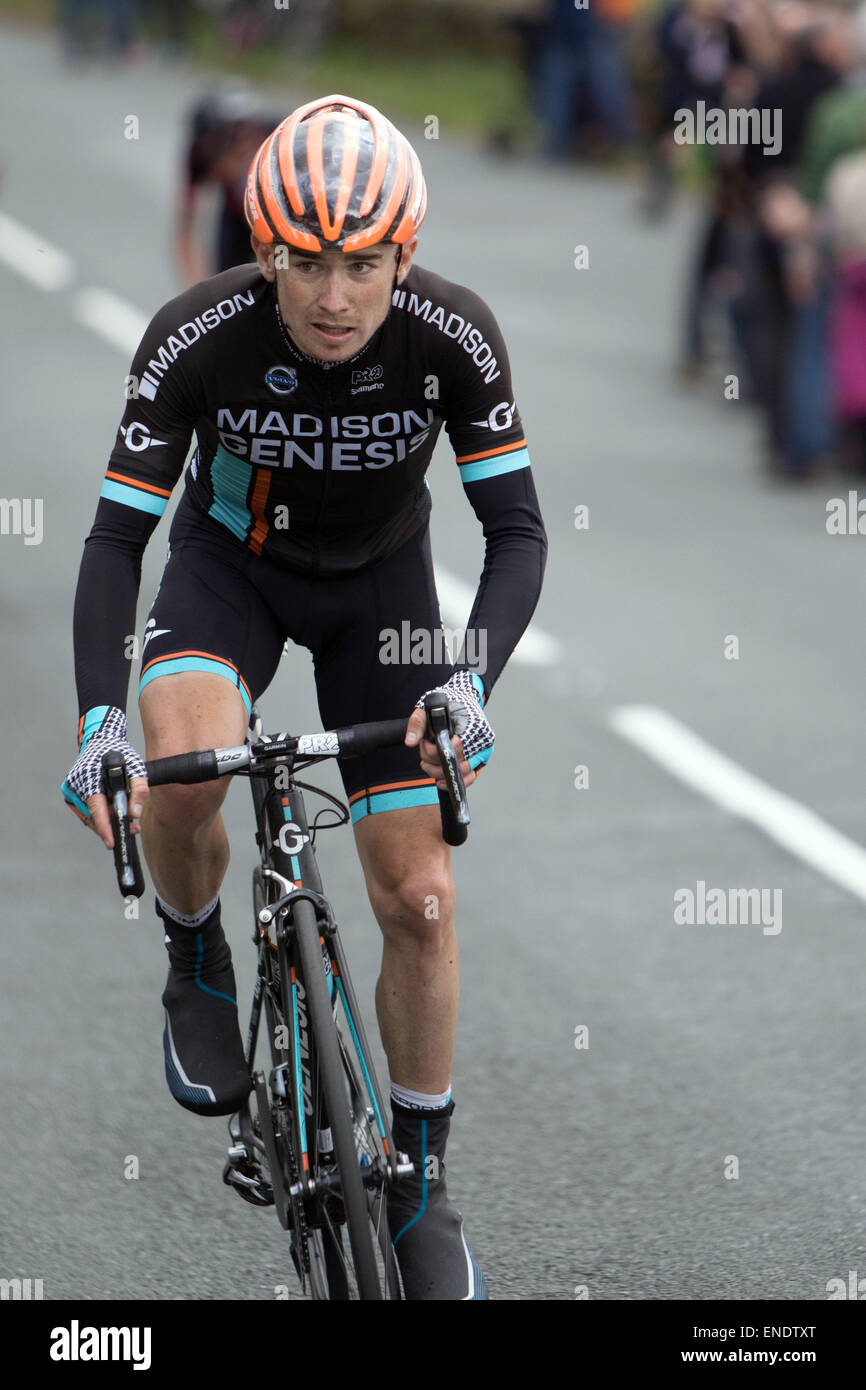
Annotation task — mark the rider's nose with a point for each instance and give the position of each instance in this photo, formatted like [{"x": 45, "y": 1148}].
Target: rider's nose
[{"x": 332, "y": 297}]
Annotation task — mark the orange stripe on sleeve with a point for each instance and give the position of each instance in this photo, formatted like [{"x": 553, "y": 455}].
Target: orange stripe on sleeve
[
  {"x": 135, "y": 482},
  {"x": 489, "y": 453}
]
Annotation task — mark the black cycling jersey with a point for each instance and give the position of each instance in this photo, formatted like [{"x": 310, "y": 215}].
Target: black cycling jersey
[{"x": 317, "y": 467}]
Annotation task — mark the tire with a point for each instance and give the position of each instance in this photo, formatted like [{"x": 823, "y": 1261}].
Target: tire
[{"x": 333, "y": 1084}]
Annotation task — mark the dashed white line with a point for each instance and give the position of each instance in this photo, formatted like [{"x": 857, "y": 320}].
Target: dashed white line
[
  {"x": 27, "y": 253},
  {"x": 793, "y": 826},
  {"x": 535, "y": 648},
  {"x": 113, "y": 318}
]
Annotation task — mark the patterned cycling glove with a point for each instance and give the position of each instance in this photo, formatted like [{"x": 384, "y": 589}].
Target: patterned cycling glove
[
  {"x": 466, "y": 693},
  {"x": 99, "y": 736}
]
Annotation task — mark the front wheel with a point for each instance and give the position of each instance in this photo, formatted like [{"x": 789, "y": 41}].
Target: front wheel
[{"x": 362, "y": 1270}]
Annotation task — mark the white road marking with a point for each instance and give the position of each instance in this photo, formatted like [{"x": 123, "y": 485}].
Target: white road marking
[
  {"x": 113, "y": 318},
  {"x": 535, "y": 648},
  {"x": 29, "y": 254},
  {"x": 793, "y": 826}
]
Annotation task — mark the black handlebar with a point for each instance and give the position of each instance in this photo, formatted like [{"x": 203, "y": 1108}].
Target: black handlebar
[
  {"x": 127, "y": 864},
  {"x": 187, "y": 768},
  {"x": 366, "y": 738},
  {"x": 210, "y": 763},
  {"x": 452, "y": 801}
]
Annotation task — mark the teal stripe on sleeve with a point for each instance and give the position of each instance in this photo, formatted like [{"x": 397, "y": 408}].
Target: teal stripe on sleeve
[
  {"x": 490, "y": 468},
  {"x": 134, "y": 497}
]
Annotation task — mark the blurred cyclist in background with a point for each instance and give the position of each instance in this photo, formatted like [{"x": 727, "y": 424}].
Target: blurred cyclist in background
[{"x": 225, "y": 130}]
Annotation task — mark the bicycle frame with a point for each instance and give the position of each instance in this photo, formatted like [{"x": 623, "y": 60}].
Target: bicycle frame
[{"x": 289, "y": 874}]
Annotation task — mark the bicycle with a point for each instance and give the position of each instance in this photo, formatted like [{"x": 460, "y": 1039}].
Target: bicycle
[{"x": 313, "y": 1139}]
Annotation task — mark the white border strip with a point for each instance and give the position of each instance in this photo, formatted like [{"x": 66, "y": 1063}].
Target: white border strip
[{"x": 720, "y": 779}]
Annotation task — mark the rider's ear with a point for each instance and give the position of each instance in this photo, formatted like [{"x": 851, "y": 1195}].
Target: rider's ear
[
  {"x": 406, "y": 253},
  {"x": 264, "y": 257}
]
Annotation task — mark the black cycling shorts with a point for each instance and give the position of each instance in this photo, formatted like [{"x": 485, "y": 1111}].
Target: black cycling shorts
[{"x": 372, "y": 634}]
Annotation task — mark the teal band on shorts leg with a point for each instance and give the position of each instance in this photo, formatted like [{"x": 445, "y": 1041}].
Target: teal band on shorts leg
[
  {"x": 373, "y": 801},
  {"x": 213, "y": 665}
]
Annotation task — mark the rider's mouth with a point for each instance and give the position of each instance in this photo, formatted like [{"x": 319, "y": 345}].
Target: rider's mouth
[{"x": 334, "y": 333}]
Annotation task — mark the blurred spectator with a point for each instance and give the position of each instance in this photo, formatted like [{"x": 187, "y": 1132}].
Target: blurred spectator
[
  {"x": 697, "y": 45},
  {"x": 846, "y": 202},
  {"x": 225, "y": 130},
  {"x": 91, "y": 26},
  {"x": 793, "y": 214},
  {"x": 172, "y": 21},
  {"x": 580, "y": 61},
  {"x": 785, "y": 335},
  {"x": 706, "y": 60}
]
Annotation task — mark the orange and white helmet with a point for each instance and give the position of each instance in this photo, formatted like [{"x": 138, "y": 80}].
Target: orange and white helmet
[{"x": 335, "y": 172}]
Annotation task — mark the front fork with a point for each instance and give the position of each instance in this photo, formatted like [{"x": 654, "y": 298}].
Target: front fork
[{"x": 289, "y": 865}]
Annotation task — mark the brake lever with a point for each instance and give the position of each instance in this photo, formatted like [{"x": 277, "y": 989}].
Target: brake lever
[
  {"x": 127, "y": 864},
  {"x": 453, "y": 805}
]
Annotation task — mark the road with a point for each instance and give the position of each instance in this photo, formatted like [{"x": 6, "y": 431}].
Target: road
[{"x": 604, "y": 1171}]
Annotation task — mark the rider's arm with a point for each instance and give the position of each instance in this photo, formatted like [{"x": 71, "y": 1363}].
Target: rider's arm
[
  {"x": 484, "y": 427},
  {"x": 145, "y": 464}
]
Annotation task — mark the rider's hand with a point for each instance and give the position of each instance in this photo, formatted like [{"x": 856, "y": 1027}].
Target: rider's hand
[
  {"x": 474, "y": 741},
  {"x": 81, "y": 788}
]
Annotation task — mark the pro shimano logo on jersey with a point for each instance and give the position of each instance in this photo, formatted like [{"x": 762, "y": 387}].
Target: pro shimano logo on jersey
[
  {"x": 282, "y": 380},
  {"x": 186, "y": 335},
  {"x": 461, "y": 330},
  {"x": 368, "y": 379},
  {"x": 271, "y": 439}
]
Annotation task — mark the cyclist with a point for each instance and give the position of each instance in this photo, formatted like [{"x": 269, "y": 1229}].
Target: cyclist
[
  {"x": 226, "y": 128},
  {"x": 316, "y": 382}
]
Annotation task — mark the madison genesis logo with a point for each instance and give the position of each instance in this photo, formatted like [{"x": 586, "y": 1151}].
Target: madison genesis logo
[
  {"x": 282, "y": 380},
  {"x": 463, "y": 331},
  {"x": 184, "y": 337},
  {"x": 272, "y": 439}
]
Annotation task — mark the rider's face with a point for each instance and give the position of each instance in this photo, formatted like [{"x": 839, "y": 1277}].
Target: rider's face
[{"x": 332, "y": 303}]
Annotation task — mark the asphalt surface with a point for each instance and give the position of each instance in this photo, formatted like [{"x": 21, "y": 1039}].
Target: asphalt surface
[{"x": 599, "y": 1169}]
